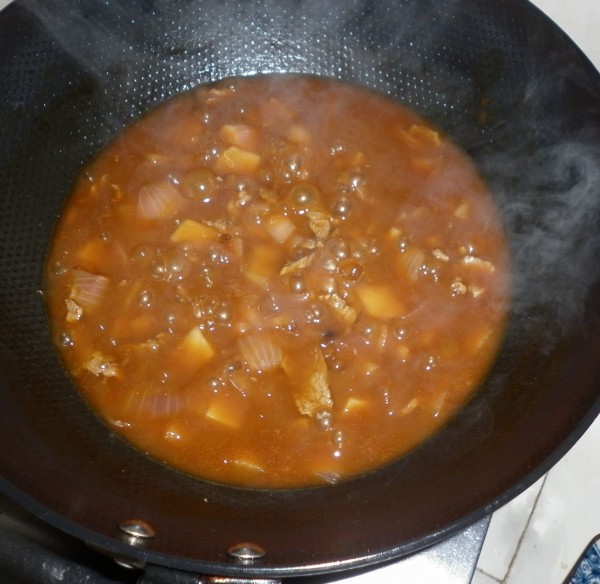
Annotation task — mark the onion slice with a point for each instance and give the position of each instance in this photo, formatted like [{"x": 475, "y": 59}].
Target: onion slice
[
  {"x": 159, "y": 200},
  {"x": 88, "y": 289},
  {"x": 151, "y": 403},
  {"x": 156, "y": 405},
  {"x": 260, "y": 352},
  {"x": 411, "y": 262}
]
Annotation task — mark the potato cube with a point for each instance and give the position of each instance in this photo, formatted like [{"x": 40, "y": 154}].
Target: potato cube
[
  {"x": 93, "y": 253},
  {"x": 192, "y": 231},
  {"x": 235, "y": 160},
  {"x": 403, "y": 352},
  {"x": 280, "y": 228},
  {"x": 228, "y": 409},
  {"x": 239, "y": 135},
  {"x": 189, "y": 357},
  {"x": 380, "y": 301},
  {"x": 195, "y": 348},
  {"x": 264, "y": 262},
  {"x": 298, "y": 135}
]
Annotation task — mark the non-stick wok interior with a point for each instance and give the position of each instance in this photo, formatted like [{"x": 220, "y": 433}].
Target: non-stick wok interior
[{"x": 497, "y": 76}]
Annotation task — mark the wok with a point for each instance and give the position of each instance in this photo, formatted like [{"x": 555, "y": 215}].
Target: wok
[{"x": 496, "y": 75}]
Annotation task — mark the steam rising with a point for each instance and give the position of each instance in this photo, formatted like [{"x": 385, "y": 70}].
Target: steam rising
[
  {"x": 545, "y": 174},
  {"x": 555, "y": 233}
]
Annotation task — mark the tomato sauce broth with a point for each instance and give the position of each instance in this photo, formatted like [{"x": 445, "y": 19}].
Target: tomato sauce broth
[{"x": 278, "y": 281}]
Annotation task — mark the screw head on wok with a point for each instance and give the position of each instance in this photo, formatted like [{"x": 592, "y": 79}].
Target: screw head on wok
[
  {"x": 246, "y": 553},
  {"x": 137, "y": 528},
  {"x": 135, "y": 532}
]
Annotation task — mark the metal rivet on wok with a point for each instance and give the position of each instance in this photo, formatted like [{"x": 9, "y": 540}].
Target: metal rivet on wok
[
  {"x": 246, "y": 553},
  {"x": 137, "y": 529},
  {"x": 135, "y": 533}
]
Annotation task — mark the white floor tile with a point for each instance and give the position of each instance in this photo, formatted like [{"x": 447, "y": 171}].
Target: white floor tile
[
  {"x": 506, "y": 527},
  {"x": 565, "y": 518},
  {"x": 482, "y": 578},
  {"x": 581, "y": 21}
]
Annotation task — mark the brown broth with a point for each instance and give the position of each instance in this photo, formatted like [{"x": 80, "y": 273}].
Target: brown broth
[{"x": 278, "y": 281}]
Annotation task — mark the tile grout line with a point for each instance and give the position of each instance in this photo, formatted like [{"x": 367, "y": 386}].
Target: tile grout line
[
  {"x": 522, "y": 536},
  {"x": 490, "y": 576}
]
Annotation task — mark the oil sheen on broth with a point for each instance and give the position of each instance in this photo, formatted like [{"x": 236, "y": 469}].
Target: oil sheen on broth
[{"x": 278, "y": 281}]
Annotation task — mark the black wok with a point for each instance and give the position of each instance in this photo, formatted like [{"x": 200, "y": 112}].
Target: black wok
[{"x": 496, "y": 75}]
